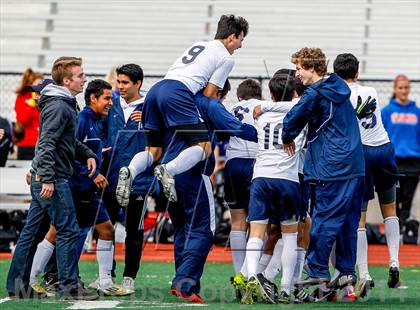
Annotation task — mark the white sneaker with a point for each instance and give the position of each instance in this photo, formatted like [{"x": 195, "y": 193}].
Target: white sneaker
[
  {"x": 96, "y": 284},
  {"x": 123, "y": 187},
  {"x": 168, "y": 182},
  {"x": 128, "y": 285}
]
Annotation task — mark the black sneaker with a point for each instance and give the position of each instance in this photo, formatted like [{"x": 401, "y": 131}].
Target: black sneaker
[
  {"x": 268, "y": 289},
  {"x": 80, "y": 293},
  {"x": 50, "y": 283},
  {"x": 302, "y": 296},
  {"x": 324, "y": 296},
  {"x": 342, "y": 281},
  {"x": 394, "y": 277}
]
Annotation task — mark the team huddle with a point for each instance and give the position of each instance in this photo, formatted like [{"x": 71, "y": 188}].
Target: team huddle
[{"x": 300, "y": 171}]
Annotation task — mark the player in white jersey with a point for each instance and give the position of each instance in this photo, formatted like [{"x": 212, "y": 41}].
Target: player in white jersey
[
  {"x": 275, "y": 198},
  {"x": 240, "y": 159},
  {"x": 274, "y": 266},
  {"x": 380, "y": 171},
  {"x": 170, "y": 104}
]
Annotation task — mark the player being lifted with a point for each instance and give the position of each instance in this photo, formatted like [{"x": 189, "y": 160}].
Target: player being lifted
[
  {"x": 380, "y": 172},
  {"x": 275, "y": 198},
  {"x": 170, "y": 104}
]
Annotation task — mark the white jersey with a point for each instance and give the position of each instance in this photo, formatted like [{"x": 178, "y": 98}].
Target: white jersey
[
  {"x": 204, "y": 62},
  {"x": 272, "y": 161},
  {"x": 239, "y": 148},
  {"x": 372, "y": 130}
]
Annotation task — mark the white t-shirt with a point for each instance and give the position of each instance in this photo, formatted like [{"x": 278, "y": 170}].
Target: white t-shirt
[
  {"x": 239, "y": 148},
  {"x": 204, "y": 62},
  {"x": 272, "y": 161},
  {"x": 372, "y": 130},
  {"x": 128, "y": 108}
]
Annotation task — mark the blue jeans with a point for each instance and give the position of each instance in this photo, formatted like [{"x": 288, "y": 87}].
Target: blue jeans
[{"x": 62, "y": 214}]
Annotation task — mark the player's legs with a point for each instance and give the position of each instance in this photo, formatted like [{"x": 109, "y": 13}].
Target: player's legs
[
  {"x": 289, "y": 255},
  {"x": 267, "y": 259}
]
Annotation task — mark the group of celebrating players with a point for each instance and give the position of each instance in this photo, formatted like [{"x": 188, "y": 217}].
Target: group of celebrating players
[{"x": 300, "y": 171}]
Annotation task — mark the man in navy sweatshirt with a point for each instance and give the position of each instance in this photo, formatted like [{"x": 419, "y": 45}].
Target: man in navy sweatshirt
[{"x": 334, "y": 163}]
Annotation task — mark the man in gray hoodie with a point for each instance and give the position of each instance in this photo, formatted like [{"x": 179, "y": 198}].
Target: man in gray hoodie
[{"x": 55, "y": 153}]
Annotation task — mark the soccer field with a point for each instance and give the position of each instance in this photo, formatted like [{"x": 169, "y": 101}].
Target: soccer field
[{"x": 154, "y": 282}]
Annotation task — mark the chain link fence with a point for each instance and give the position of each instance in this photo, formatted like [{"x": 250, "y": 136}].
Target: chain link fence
[{"x": 9, "y": 81}]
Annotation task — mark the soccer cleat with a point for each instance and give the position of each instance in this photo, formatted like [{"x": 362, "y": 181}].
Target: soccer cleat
[
  {"x": 394, "y": 277},
  {"x": 95, "y": 284},
  {"x": 310, "y": 281},
  {"x": 39, "y": 289},
  {"x": 324, "y": 296},
  {"x": 267, "y": 289},
  {"x": 302, "y": 296},
  {"x": 168, "y": 182},
  {"x": 364, "y": 286},
  {"x": 51, "y": 284},
  {"x": 128, "y": 285},
  {"x": 114, "y": 290},
  {"x": 250, "y": 292},
  {"x": 123, "y": 187},
  {"x": 285, "y": 298},
  {"x": 194, "y": 298},
  {"x": 342, "y": 281},
  {"x": 349, "y": 294},
  {"x": 239, "y": 284}
]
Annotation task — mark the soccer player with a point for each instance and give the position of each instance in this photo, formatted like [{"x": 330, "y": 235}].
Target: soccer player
[
  {"x": 126, "y": 137},
  {"x": 238, "y": 170},
  {"x": 275, "y": 198},
  {"x": 56, "y": 151},
  {"x": 334, "y": 162},
  {"x": 380, "y": 172},
  {"x": 89, "y": 208},
  {"x": 170, "y": 105}
]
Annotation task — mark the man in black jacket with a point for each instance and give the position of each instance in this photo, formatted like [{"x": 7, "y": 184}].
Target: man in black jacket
[{"x": 55, "y": 153}]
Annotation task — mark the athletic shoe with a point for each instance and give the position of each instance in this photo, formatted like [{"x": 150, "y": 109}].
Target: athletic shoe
[
  {"x": 364, "y": 286},
  {"x": 342, "y": 281},
  {"x": 324, "y": 296},
  {"x": 310, "y": 282},
  {"x": 51, "y": 284},
  {"x": 268, "y": 290},
  {"x": 95, "y": 284},
  {"x": 194, "y": 298},
  {"x": 394, "y": 277},
  {"x": 285, "y": 298},
  {"x": 250, "y": 292},
  {"x": 349, "y": 294},
  {"x": 239, "y": 284},
  {"x": 168, "y": 182},
  {"x": 302, "y": 296},
  {"x": 123, "y": 187},
  {"x": 114, "y": 290},
  {"x": 80, "y": 293},
  {"x": 128, "y": 285}
]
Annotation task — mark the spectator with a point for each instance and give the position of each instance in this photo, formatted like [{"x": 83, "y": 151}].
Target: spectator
[
  {"x": 10, "y": 133},
  {"x": 401, "y": 118},
  {"x": 27, "y": 113}
]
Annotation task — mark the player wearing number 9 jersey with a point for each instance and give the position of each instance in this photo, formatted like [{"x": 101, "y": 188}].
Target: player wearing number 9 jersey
[
  {"x": 170, "y": 104},
  {"x": 380, "y": 171}
]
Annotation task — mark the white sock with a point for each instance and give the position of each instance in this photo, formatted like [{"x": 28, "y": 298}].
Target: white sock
[
  {"x": 362, "y": 253},
  {"x": 263, "y": 262},
  {"x": 288, "y": 260},
  {"x": 105, "y": 255},
  {"x": 392, "y": 233},
  {"x": 335, "y": 275},
  {"x": 187, "y": 159},
  {"x": 300, "y": 261},
  {"x": 244, "y": 269},
  {"x": 42, "y": 256},
  {"x": 238, "y": 247},
  {"x": 140, "y": 162},
  {"x": 253, "y": 253},
  {"x": 274, "y": 266}
]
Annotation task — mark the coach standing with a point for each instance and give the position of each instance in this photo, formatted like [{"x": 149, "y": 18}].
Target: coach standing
[{"x": 52, "y": 166}]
